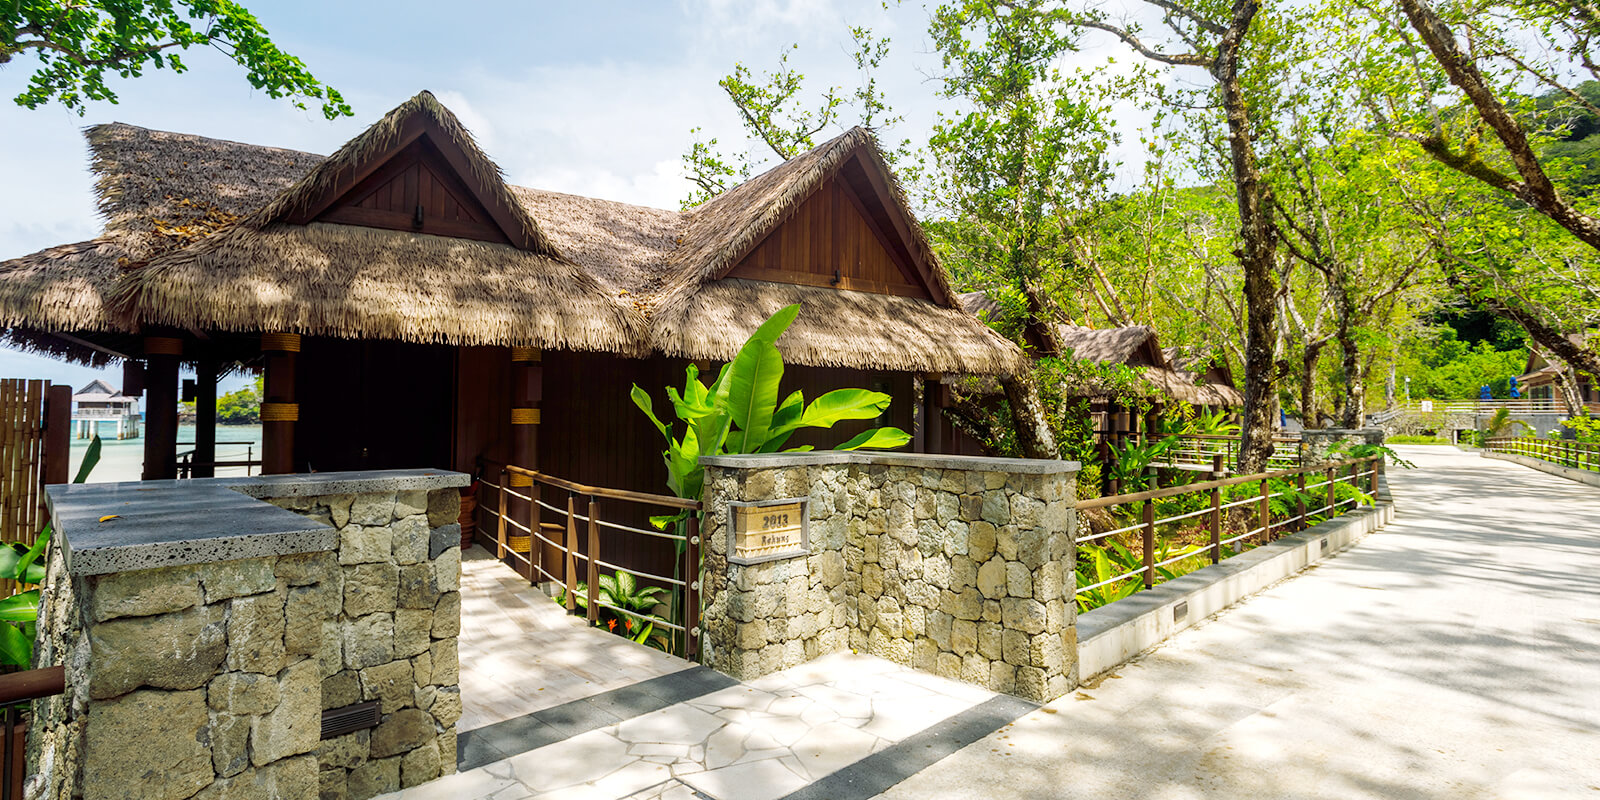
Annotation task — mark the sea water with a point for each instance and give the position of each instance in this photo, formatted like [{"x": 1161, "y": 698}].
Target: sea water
[{"x": 123, "y": 459}]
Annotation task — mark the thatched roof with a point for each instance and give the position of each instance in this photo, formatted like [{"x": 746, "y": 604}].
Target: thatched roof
[
  {"x": 834, "y": 328},
  {"x": 1105, "y": 345},
  {"x": 210, "y": 234},
  {"x": 356, "y": 282}
]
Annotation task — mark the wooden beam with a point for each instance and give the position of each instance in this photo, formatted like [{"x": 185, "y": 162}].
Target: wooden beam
[
  {"x": 798, "y": 278},
  {"x": 348, "y": 178},
  {"x": 280, "y": 409},
  {"x": 162, "y": 354}
]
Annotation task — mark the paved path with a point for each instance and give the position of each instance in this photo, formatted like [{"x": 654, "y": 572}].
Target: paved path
[{"x": 1456, "y": 654}]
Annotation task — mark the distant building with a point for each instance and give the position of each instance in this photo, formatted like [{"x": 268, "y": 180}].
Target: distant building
[
  {"x": 101, "y": 402},
  {"x": 1538, "y": 382}
]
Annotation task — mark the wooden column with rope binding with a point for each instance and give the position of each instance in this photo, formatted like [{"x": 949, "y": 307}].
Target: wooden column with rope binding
[
  {"x": 279, "y": 408},
  {"x": 527, "y": 391},
  {"x": 162, "y": 354}
]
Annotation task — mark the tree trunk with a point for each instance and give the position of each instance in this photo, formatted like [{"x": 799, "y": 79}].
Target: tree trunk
[
  {"x": 1041, "y": 324},
  {"x": 1033, "y": 432},
  {"x": 1257, "y": 253},
  {"x": 1308, "y": 383}
]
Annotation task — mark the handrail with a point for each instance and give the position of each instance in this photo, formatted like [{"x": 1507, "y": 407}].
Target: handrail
[
  {"x": 1355, "y": 471},
  {"x": 610, "y": 494},
  {"x": 32, "y": 684},
  {"x": 1174, "y": 491},
  {"x": 562, "y": 552},
  {"x": 1562, "y": 452}
]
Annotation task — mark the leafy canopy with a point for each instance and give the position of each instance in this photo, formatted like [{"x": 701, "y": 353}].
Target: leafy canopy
[{"x": 79, "y": 43}]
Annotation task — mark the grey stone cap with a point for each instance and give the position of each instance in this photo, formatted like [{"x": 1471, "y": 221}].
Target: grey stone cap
[
  {"x": 1030, "y": 466},
  {"x": 358, "y": 482},
  {"x": 168, "y": 523}
]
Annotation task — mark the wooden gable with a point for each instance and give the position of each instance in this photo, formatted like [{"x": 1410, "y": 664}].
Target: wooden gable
[
  {"x": 416, "y": 190},
  {"x": 841, "y": 237}
]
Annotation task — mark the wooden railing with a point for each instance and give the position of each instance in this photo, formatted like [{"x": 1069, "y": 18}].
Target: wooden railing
[
  {"x": 1563, "y": 452},
  {"x": 1224, "y": 529},
  {"x": 17, "y": 688},
  {"x": 1524, "y": 405},
  {"x": 517, "y": 517},
  {"x": 1199, "y": 451}
]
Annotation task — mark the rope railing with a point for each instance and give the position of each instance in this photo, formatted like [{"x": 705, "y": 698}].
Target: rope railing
[
  {"x": 1251, "y": 516},
  {"x": 563, "y": 551},
  {"x": 1561, "y": 452}
]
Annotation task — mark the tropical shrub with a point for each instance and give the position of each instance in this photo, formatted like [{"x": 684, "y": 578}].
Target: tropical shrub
[
  {"x": 20, "y": 563},
  {"x": 625, "y": 604}
]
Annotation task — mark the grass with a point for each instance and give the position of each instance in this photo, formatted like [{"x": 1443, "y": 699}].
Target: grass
[{"x": 1406, "y": 439}]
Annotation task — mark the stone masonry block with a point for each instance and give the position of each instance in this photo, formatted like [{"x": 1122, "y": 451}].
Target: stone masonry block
[
  {"x": 444, "y": 507},
  {"x": 228, "y": 579},
  {"x": 447, "y": 616},
  {"x": 144, "y": 592},
  {"x": 413, "y": 629},
  {"x": 243, "y": 693},
  {"x": 376, "y": 508},
  {"x": 390, "y": 684},
  {"x": 365, "y": 544},
  {"x": 410, "y": 502},
  {"x": 404, "y": 730},
  {"x": 127, "y": 755},
  {"x": 368, "y": 641},
  {"x": 409, "y": 539},
  {"x": 370, "y": 588},
  {"x": 303, "y": 569},
  {"x": 255, "y": 633},
  {"x": 171, "y": 651},
  {"x": 295, "y": 726},
  {"x": 230, "y": 744}
]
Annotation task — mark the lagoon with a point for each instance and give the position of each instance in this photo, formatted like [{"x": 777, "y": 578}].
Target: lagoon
[{"x": 123, "y": 460}]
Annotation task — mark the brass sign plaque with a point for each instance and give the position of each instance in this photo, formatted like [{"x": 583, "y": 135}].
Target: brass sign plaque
[{"x": 767, "y": 530}]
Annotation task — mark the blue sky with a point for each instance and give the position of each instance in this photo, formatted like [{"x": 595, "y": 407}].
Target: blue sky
[{"x": 593, "y": 98}]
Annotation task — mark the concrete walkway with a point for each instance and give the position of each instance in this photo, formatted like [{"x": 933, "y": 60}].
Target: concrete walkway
[{"x": 1456, "y": 654}]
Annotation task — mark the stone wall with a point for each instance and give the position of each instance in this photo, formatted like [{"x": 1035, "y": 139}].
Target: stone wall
[
  {"x": 396, "y": 591},
  {"x": 205, "y": 632},
  {"x": 1317, "y": 444},
  {"x": 956, "y": 566}
]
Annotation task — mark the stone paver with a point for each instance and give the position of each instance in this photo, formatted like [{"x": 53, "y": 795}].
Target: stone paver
[
  {"x": 521, "y": 653},
  {"x": 1456, "y": 654},
  {"x": 759, "y": 740}
]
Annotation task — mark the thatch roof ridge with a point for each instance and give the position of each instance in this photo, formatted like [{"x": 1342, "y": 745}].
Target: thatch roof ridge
[
  {"x": 626, "y": 246},
  {"x": 385, "y": 133},
  {"x": 1105, "y": 345}
]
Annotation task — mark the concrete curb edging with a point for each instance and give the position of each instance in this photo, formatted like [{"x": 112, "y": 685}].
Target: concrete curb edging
[
  {"x": 1111, "y": 635},
  {"x": 1576, "y": 475}
]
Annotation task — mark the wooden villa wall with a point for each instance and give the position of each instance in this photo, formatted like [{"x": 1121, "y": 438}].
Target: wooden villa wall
[{"x": 831, "y": 231}]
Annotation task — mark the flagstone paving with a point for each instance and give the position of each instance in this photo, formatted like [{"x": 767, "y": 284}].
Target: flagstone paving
[
  {"x": 522, "y": 653},
  {"x": 759, "y": 740}
]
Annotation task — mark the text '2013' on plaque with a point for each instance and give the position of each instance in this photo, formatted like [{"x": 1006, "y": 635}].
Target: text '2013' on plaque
[{"x": 764, "y": 530}]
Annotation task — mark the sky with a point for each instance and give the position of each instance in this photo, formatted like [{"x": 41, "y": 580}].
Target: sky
[{"x": 590, "y": 98}]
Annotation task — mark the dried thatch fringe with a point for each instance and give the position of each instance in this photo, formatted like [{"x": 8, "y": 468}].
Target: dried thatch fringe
[
  {"x": 834, "y": 329},
  {"x": 385, "y": 133},
  {"x": 368, "y": 283},
  {"x": 1105, "y": 345},
  {"x": 62, "y": 288}
]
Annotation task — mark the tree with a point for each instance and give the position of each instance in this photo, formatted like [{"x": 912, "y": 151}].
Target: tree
[
  {"x": 79, "y": 42},
  {"x": 1216, "y": 38},
  {"x": 778, "y": 120}
]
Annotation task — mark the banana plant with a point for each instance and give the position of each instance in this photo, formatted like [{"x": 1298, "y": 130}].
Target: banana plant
[
  {"x": 740, "y": 412},
  {"x": 19, "y": 613}
]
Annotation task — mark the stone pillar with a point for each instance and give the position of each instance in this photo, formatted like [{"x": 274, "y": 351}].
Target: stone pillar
[
  {"x": 1316, "y": 445},
  {"x": 279, "y": 408},
  {"x": 953, "y": 565},
  {"x": 200, "y": 661}
]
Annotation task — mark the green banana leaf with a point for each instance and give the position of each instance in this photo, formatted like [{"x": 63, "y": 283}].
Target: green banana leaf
[
  {"x": 16, "y": 649},
  {"x": 752, "y": 383},
  {"x": 21, "y": 607},
  {"x": 91, "y": 457},
  {"x": 877, "y": 439}
]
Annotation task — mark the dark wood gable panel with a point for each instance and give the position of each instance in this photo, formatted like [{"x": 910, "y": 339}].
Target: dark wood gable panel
[
  {"x": 416, "y": 190},
  {"x": 832, "y": 241}
]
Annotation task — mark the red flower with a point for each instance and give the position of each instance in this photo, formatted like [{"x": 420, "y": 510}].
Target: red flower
[
  {"x": 628, "y": 624},
  {"x": 611, "y": 624}
]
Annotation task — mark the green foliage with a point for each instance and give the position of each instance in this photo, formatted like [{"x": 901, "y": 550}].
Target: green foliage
[
  {"x": 19, "y": 613},
  {"x": 740, "y": 411},
  {"x": 626, "y": 605},
  {"x": 1442, "y": 367},
  {"x": 1584, "y": 429},
  {"x": 80, "y": 44},
  {"x": 1408, "y": 439}
]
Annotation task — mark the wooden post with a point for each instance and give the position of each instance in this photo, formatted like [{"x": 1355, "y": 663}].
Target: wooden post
[
  {"x": 527, "y": 392},
  {"x": 1300, "y": 499},
  {"x": 691, "y": 593},
  {"x": 280, "y": 409},
  {"x": 500, "y": 532},
  {"x": 1373, "y": 475},
  {"x": 205, "y": 418},
  {"x": 161, "y": 407},
  {"x": 1266, "y": 512},
  {"x": 1216, "y": 510},
  {"x": 593, "y": 571},
  {"x": 571, "y": 568},
  {"x": 1147, "y": 543},
  {"x": 1331, "y": 495},
  {"x": 58, "y": 435}
]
